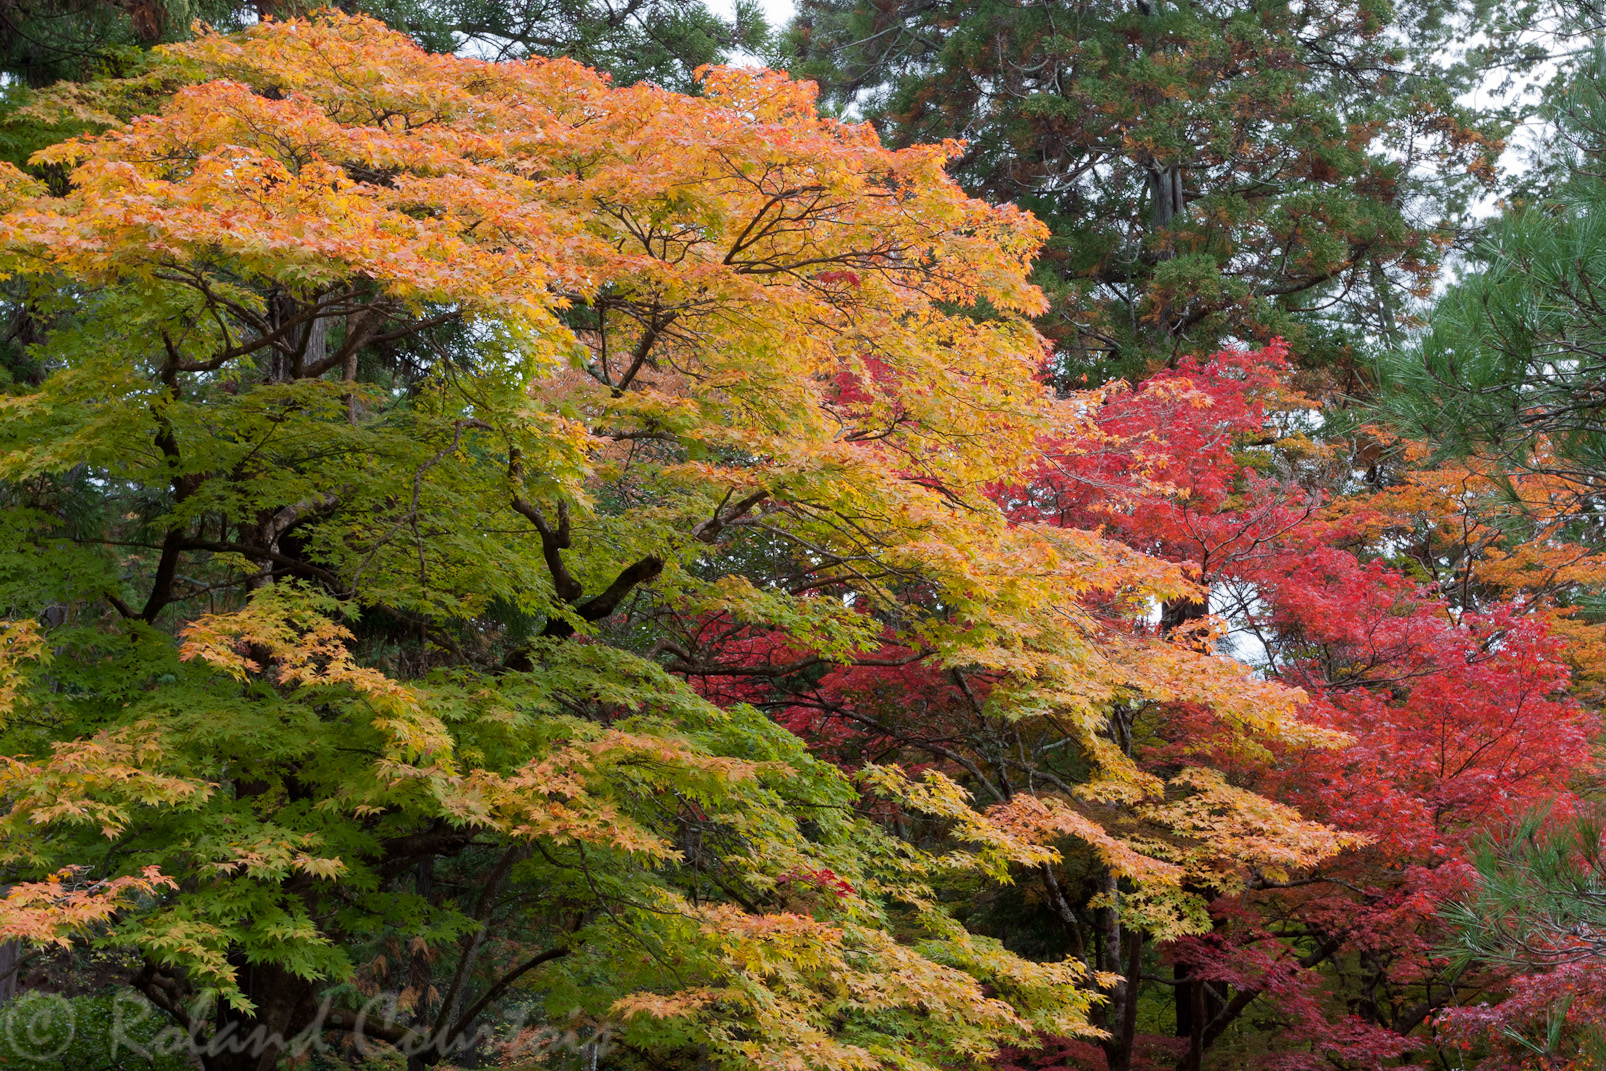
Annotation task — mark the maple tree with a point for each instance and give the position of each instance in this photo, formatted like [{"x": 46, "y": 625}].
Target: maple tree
[
  {"x": 483, "y": 545},
  {"x": 1420, "y": 620},
  {"x": 398, "y": 425},
  {"x": 1501, "y": 387}
]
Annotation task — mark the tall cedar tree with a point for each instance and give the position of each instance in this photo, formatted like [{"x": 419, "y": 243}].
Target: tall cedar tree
[{"x": 1209, "y": 169}]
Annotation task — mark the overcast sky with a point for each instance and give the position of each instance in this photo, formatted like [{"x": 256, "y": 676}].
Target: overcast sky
[{"x": 776, "y": 12}]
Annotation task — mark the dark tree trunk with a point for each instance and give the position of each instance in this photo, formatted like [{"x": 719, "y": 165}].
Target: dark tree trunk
[
  {"x": 10, "y": 967},
  {"x": 1168, "y": 200},
  {"x": 285, "y": 1005},
  {"x": 1122, "y": 953},
  {"x": 418, "y": 976},
  {"x": 1191, "y": 1016},
  {"x": 226, "y": 1039},
  {"x": 1179, "y": 612}
]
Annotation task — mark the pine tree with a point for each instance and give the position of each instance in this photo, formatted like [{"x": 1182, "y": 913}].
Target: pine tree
[
  {"x": 1513, "y": 364},
  {"x": 1210, "y": 170}
]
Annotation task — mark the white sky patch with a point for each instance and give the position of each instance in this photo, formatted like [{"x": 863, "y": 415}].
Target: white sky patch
[
  {"x": 1238, "y": 603},
  {"x": 1497, "y": 90},
  {"x": 777, "y": 13}
]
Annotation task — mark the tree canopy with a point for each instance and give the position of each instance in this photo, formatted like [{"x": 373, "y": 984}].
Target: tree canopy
[
  {"x": 399, "y": 428},
  {"x": 522, "y": 546}
]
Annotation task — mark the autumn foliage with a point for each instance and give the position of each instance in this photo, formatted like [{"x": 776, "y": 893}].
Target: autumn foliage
[{"x": 491, "y": 537}]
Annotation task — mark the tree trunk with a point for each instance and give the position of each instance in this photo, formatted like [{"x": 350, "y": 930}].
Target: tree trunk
[
  {"x": 10, "y": 967},
  {"x": 1123, "y": 953},
  {"x": 1166, "y": 198},
  {"x": 1178, "y": 612},
  {"x": 1221, "y": 1012},
  {"x": 285, "y": 1005},
  {"x": 1191, "y": 1016},
  {"x": 418, "y": 974}
]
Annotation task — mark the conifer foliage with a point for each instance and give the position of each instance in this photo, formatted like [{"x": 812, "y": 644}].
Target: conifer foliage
[{"x": 1208, "y": 169}]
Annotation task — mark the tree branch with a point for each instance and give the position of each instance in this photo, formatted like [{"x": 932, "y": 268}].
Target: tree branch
[{"x": 601, "y": 606}]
